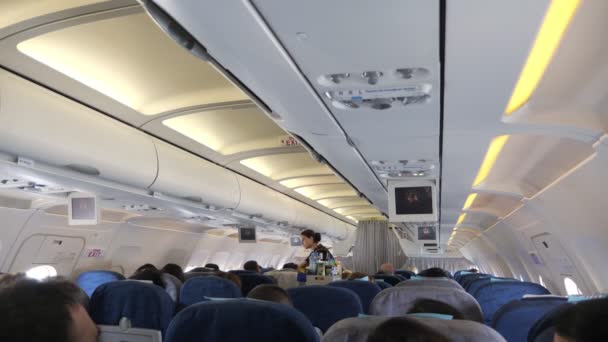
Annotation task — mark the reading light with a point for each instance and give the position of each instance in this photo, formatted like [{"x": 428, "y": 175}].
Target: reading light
[
  {"x": 554, "y": 25},
  {"x": 488, "y": 162},
  {"x": 469, "y": 201}
]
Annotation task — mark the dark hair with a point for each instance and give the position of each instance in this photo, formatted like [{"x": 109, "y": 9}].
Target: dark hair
[
  {"x": 359, "y": 275},
  {"x": 290, "y": 265},
  {"x": 145, "y": 267},
  {"x": 271, "y": 293},
  {"x": 317, "y": 238},
  {"x": 434, "y": 272},
  {"x": 212, "y": 267},
  {"x": 7, "y": 280},
  {"x": 435, "y": 306},
  {"x": 32, "y": 311},
  {"x": 403, "y": 329},
  {"x": 473, "y": 270},
  {"x": 584, "y": 321},
  {"x": 174, "y": 270},
  {"x": 232, "y": 277},
  {"x": 251, "y": 265},
  {"x": 68, "y": 288},
  {"x": 149, "y": 274},
  {"x": 309, "y": 233}
]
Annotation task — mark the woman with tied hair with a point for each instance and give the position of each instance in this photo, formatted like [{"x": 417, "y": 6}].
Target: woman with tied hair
[{"x": 312, "y": 240}]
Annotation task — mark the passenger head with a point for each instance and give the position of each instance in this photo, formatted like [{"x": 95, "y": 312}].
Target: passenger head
[
  {"x": 214, "y": 267},
  {"x": 174, "y": 270},
  {"x": 232, "y": 277},
  {"x": 308, "y": 238},
  {"x": 155, "y": 276},
  {"x": 290, "y": 266},
  {"x": 32, "y": 311},
  {"x": 435, "y": 306},
  {"x": 359, "y": 275},
  {"x": 270, "y": 293},
  {"x": 387, "y": 268},
  {"x": 7, "y": 280},
  {"x": 403, "y": 329},
  {"x": 252, "y": 265},
  {"x": 68, "y": 288},
  {"x": 434, "y": 272},
  {"x": 146, "y": 267},
  {"x": 583, "y": 322},
  {"x": 473, "y": 270}
]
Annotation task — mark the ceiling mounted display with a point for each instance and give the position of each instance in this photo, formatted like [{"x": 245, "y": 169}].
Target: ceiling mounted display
[{"x": 403, "y": 168}]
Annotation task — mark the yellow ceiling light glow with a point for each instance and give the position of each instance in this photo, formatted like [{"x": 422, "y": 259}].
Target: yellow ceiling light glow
[
  {"x": 494, "y": 150},
  {"x": 469, "y": 201},
  {"x": 461, "y": 218},
  {"x": 305, "y": 181},
  {"x": 554, "y": 25}
]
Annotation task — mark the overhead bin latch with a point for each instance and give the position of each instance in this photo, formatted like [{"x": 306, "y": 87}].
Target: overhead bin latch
[{"x": 174, "y": 30}]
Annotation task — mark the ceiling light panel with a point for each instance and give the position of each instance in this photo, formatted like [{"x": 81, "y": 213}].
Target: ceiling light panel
[
  {"x": 554, "y": 25},
  {"x": 249, "y": 129},
  {"x": 489, "y": 160},
  {"x": 314, "y": 180},
  {"x": 286, "y": 166},
  {"x": 130, "y": 60},
  {"x": 316, "y": 192},
  {"x": 343, "y": 202},
  {"x": 14, "y": 11},
  {"x": 368, "y": 209}
]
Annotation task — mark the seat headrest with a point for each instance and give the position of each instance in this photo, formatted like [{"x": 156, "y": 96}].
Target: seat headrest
[
  {"x": 325, "y": 305},
  {"x": 391, "y": 279},
  {"x": 397, "y": 301},
  {"x": 146, "y": 306},
  {"x": 364, "y": 289},
  {"x": 251, "y": 280},
  {"x": 492, "y": 295},
  {"x": 542, "y": 330},
  {"x": 358, "y": 329},
  {"x": 437, "y": 282},
  {"x": 240, "y": 320},
  {"x": 90, "y": 280},
  {"x": 196, "y": 289},
  {"x": 383, "y": 285}
]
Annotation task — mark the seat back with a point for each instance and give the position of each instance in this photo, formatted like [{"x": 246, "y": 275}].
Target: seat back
[
  {"x": 514, "y": 319},
  {"x": 543, "y": 329},
  {"x": 397, "y": 301},
  {"x": 284, "y": 278},
  {"x": 358, "y": 329},
  {"x": 146, "y": 306},
  {"x": 251, "y": 280},
  {"x": 464, "y": 280},
  {"x": 474, "y": 285},
  {"x": 198, "y": 289},
  {"x": 364, "y": 289},
  {"x": 383, "y": 285},
  {"x": 436, "y": 282},
  {"x": 172, "y": 286},
  {"x": 405, "y": 274},
  {"x": 191, "y": 274},
  {"x": 240, "y": 320},
  {"x": 388, "y": 278},
  {"x": 325, "y": 305},
  {"x": 90, "y": 280},
  {"x": 491, "y": 296}
]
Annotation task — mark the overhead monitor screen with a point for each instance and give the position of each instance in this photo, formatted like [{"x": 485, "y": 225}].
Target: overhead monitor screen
[
  {"x": 414, "y": 201},
  {"x": 82, "y": 209},
  {"x": 247, "y": 234},
  {"x": 427, "y": 233}
]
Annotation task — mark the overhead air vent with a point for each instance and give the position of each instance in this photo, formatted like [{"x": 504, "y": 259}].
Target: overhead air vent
[
  {"x": 403, "y": 168},
  {"x": 141, "y": 208}
]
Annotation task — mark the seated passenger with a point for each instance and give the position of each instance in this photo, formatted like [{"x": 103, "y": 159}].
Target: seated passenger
[
  {"x": 253, "y": 266},
  {"x": 232, "y": 277},
  {"x": 434, "y": 272},
  {"x": 146, "y": 267},
  {"x": 70, "y": 289},
  {"x": 402, "y": 329},
  {"x": 174, "y": 270},
  {"x": 583, "y": 322},
  {"x": 7, "y": 279},
  {"x": 32, "y": 311},
  {"x": 270, "y": 293},
  {"x": 290, "y": 266},
  {"x": 214, "y": 267},
  {"x": 436, "y": 307},
  {"x": 360, "y": 276},
  {"x": 473, "y": 270},
  {"x": 387, "y": 269},
  {"x": 148, "y": 274}
]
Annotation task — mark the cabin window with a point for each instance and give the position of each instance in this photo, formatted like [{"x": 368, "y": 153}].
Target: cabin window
[
  {"x": 41, "y": 272},
  {"x": 571, "y": 287}
]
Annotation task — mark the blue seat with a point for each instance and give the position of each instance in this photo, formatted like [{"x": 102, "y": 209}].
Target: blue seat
[
  {"x": 405, "y": 274},
  {"x": 543, "y": 329},
  {"x": 90, "y": 280},
  {"x": 240, "y": 320},
  {"x": 393, "y": 280},
  {"x": 325, "y": 305},
  {"x": 197, "y": 289},
  {"x": 514, "y": 319},
  {"x": 147, "y": 306},
  {"x": 251, "y": 280},
  {"x": 364, "y": 289},
  {"x": 383, "y": 285},
  {"x": 477, "y": 283},
  {"x": 491, "y": 296},
  {"x": 466, "y": 279}
]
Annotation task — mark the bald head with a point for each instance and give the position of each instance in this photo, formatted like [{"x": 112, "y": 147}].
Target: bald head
[{"x": 387, "y": 268}]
